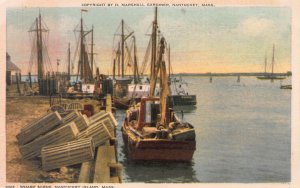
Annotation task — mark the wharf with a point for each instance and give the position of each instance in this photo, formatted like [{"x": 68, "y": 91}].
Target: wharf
[
  {"x": 105, "y": 168},
  {"x": 22, "y": 110}
]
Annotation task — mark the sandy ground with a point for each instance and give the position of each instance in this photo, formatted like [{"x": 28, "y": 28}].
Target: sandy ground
[{"x": 19, "y": 112}]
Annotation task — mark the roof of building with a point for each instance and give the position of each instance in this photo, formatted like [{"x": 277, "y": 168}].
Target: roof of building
[{"x": 10, "y": 66}]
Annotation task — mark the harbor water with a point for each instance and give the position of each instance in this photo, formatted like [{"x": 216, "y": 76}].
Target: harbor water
[{"x": 243, "y": 134}]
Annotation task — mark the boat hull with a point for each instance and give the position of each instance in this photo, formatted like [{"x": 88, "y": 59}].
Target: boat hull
[
  {"x": 121, "y": 103},
  {"x": 158, "y": 149},
  {"x": 182, "y": 100},
  {"x": 270, "y": 78},
  {"x": 286, "y": 87}
]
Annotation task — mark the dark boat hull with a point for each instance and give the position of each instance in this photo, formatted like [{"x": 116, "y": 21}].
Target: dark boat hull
[
  {"x": 121, "y": 103},
  {"x": 182, "y": 100},
  {"x": 270, "y": 78},
  {"x": 286, "y": 87},
  {"x": 158, "y": 149}
]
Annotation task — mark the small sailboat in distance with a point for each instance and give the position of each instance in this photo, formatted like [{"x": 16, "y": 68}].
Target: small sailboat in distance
[{"x": 270, "y": 76}]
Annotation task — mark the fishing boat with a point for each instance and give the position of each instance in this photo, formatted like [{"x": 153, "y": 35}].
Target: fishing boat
[
  {"x": 270, "y": 76},
  {"x": 84, "y": 85},
  {"x": 179, "y": 96},
  {"x": 151, "y": 130},
  {"x": 121, "y": 81},
  {"x": 147, "y": 139}
]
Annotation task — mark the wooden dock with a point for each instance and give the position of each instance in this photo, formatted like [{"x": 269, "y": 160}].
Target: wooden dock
[{"x": 105, "y": 167}]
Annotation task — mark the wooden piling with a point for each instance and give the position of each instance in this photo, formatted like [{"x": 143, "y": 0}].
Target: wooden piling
[
  {"x": 30, "y": 81},
  {"x": 18, "y": 83}
]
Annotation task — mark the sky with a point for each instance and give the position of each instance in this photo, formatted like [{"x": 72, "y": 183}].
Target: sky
[{"x": 202, "y": 39}]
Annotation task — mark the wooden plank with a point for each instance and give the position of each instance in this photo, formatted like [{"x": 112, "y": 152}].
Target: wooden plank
[
  {"x": 105, "y": 155},
  {"x": 86, "y": 174},
  {"x": 108, "y": 103},
  {"x": 114, "y": 179}
]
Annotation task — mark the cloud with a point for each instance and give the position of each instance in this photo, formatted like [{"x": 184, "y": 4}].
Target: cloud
[{"x": 254, "y": 26}]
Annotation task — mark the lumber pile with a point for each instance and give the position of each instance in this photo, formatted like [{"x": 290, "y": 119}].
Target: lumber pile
[
  {"x": 71, "y": 116},
  {"x": 98, "y": 132},
  {"x": 81, "y": 122},
  {"x": 101, "y": 128},
  {"x": 66, "y": 141},
  {"x": 39, "y": 127},
  {"x": 106, "y": 118},
  {"x": 67, "y": 154},
  {"x": 63, "y": 134}
]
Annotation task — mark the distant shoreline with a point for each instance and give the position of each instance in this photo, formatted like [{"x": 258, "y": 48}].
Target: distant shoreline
[
  {"x": 217, "y": 74},
  {"x": 232, "y": 74}
]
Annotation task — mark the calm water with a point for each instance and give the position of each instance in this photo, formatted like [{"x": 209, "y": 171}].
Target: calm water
[{"x": 243, "y": 135}]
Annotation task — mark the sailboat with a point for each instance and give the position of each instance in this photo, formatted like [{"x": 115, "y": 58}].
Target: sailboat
[
  {"x": 120, "y": 98},
  {"x": 85, "y": 83},
  {"x": 151, "y": 130},
  {"x": 270, "y": 76},
  {"x": 179, "y": 96}
]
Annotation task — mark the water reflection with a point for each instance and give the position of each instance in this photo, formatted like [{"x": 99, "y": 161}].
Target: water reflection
[{"x": 159, "y": 172}]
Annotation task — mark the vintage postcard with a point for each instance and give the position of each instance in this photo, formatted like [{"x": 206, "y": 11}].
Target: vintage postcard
[{"x": 111, "y": 94}]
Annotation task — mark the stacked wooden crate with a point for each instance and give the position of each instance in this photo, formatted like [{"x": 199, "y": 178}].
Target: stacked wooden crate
[
  {"x": 82, "y": 122},
  {"x": 101, "y": 128},
  {"x": 106, "y": 118},
  {"x": 67, "y": 154},
  {"x": 71, "y": 116},
  {"x": 66, "y": 141},
  {"x": 63, "y": 134},
  {"x": 98, "y": 132},
  {"x": 39, "y": 127}
]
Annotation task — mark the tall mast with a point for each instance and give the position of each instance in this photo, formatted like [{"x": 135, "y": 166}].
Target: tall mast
[
  {"x": 118, "y": 56},
  {"x": 69, "y": 62},
  {"x": 154, "y": 40},
  {"x": 92, "y": 51},
  {"x": 153, "y": 78},
  {"x": 39, "y": 44},
  {"x": 81, "y": 49},
  {"x": 123, "y": 40},
  {"x": 114, "y": 69},
  {"x": 38, "y": 49},
  {"x": 41, "y": 47},
  {"x": 169, "y": 52},
  {"x": 136, "y": 72},
  {"x": 164, "y": 83},
  {"x": 266, "y": 63},
  {"x": 273, "y": 59}
]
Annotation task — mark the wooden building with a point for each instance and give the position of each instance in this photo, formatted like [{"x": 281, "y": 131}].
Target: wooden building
[{"x": 11, "y": 71}]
